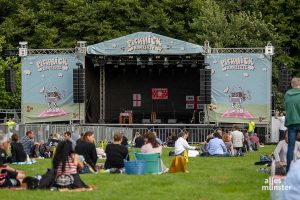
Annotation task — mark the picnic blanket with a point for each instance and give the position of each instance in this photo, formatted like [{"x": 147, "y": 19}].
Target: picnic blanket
[{"x": 25, "y": 163}]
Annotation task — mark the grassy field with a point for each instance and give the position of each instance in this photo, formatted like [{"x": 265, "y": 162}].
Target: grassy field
[{"x": 209, "y": 178}]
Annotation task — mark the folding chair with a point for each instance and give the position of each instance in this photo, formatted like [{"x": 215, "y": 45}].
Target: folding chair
[{"x": 153, "y": 162}]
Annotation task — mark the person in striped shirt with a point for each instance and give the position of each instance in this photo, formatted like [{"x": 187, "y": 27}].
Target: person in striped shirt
[
  {"x": 67, "y": 163},
  {"x": 28, "y": 142}
]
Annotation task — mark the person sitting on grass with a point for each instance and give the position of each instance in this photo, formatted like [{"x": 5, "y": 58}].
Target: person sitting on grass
[
  {"x": 115, "y": 154},
  {"x": 138, "y": 140},
  {"x": 171, "y": 140},
  {"x": 152, "y": 146},
  {"x": 87, "y": 149},
  {"x": 66, "y": 164},
  {"x": 9, "y": 177},
  {"x": 17, "y": 151},
  {"x": 254, "y": 142},
  {"x": 68, "y": 136},
  {"x": 28, "y": 143},
  {"x": 280, "y": 153},
  {"x": 216, "y": 146},
  {"x": 182, "y": 145},
  {"x": 227, "y": 140}
]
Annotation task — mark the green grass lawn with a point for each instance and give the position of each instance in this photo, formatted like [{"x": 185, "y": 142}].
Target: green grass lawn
[{"x": 209, "y": 178}]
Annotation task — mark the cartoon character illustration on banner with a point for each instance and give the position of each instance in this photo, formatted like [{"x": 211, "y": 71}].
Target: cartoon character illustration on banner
[
  {"x": 52, "y": 97},
  {"x": 237, "y": 96}
]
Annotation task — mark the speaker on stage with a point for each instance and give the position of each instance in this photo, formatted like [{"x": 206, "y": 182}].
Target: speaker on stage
[
  {"x": 285, "y": 77},
  {"x": 205, "y": 86},
  {"x": 78, "y": 85},
  {"x": 10, "y": 77}
]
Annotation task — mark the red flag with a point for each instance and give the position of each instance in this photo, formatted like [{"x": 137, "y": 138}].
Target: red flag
[{"x": 160, "y": 93}]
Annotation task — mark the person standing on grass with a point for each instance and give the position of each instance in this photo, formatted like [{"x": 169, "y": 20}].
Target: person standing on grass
[
  {"x": 237, "y": 140},
  {"x": 282, "y": 128},
  {"x": 292, "y": 118}
]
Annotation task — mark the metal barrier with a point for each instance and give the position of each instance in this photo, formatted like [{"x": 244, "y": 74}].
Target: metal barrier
[{"x": 197, "y": 132}]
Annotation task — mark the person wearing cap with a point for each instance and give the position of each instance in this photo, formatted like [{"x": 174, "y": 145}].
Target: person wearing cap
[{"x": 9, "y": 177}]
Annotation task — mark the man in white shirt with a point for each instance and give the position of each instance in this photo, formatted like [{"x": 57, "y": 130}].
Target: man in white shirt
[
  {"x": 181, "y": 144},
  {"x": 282, "y": 128},
  {"x": 237, "y": 140}
]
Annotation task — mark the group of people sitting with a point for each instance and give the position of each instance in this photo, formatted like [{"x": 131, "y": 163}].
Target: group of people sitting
[
  {"x": 234, "y": 143},
  {"x": 68, "y": 159}
]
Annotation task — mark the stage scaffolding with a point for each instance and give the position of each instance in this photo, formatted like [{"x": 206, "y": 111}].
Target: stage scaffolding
[
  {"x": 81, "y": 49},
  {"x": 102, "y": 95}
]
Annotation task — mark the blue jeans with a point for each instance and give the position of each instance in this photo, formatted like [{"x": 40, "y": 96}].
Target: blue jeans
[{"x": 292, "y": 134}]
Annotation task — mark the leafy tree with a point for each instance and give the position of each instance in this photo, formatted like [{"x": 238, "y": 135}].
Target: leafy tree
[{"x": 9, "y": 100}]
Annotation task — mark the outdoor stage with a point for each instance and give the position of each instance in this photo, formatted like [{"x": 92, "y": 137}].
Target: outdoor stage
[
  {"x": 154, "y": 93},
  {"x": 146, "y": 78}
]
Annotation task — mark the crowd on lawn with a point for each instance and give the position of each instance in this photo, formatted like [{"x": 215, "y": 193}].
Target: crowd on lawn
[{"x": 71, "y": 158}]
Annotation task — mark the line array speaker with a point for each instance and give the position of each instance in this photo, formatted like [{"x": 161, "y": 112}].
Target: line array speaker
[
  {"x": 205, "y": 86},
  {"x": 78, "y": 85},
  {"x": 10, "y": 77}
]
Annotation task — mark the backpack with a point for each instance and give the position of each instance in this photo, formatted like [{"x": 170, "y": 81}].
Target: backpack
[
  {"x": 47, "y": 180},
  {"x": 44, "y": 182}
]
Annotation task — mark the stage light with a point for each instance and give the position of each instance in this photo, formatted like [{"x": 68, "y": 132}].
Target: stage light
[
  {"x": 109, "y": 61},
  {"x": 116, "y": 66},
  {"x": 150, "y": 62},
  {"x": 138, "y": 61},
  {"x": 166, "y": 62},
  {"x": 121, "y": 62},
  {"x": 194, "y": 64},
  {"x": 179, "y": 64},
  {"x": 95, "y": 62}
]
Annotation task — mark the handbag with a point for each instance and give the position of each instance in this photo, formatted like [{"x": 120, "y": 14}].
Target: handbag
[{"x": 134, "y": 166}]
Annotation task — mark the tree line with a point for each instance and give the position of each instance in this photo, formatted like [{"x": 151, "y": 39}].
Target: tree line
[{"x": 232, "y": 23}]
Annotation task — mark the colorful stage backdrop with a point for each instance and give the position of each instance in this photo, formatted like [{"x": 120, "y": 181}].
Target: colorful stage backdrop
[
  {"x": 47, "y": 88},
  {"x": 241, "y": 88}
]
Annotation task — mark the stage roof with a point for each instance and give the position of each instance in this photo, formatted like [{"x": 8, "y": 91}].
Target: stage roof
[{"x": 144, "y": 43}]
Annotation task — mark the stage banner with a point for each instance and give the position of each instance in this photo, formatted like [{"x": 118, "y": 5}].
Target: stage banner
[
  {"x": 47, "y": 88},
  {"x": 160, "y": 93},
  {"x": 241, "y": 88}
]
